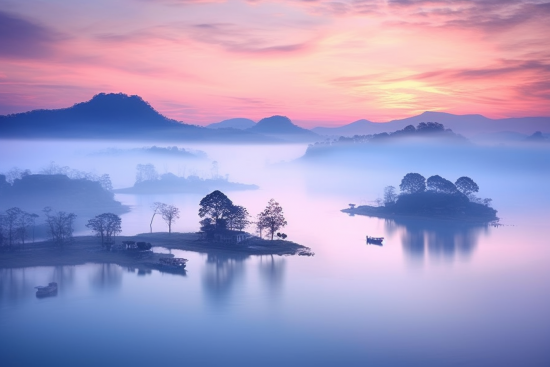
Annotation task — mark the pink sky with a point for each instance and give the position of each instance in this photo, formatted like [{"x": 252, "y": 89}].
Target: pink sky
[{"x": 321, "y": 63}]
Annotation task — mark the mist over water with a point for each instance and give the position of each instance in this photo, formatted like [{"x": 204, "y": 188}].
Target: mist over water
[{"x": 436, "y": 293}]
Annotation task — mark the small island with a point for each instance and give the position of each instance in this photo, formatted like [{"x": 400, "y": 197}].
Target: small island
[
  {"x": 221, "y": 233},
  {"x": 434, "y": 198},
  {"x": 148, "y": 181}
]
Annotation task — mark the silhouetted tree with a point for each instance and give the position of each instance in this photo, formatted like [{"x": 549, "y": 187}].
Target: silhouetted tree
[
  {"x": 390, "y": 196},
  {"x": 105, "y": 226},
  {"x": 237, "y": 218},
  {"x": 216, "y": 207},
  {"x": 466, "y": 185},
  {"x": 60, "y": 226},
  {"x": 11, "y": 222},
  {"x": 170, "y": 213},
  {"x": 413, "y": 183},
  {"x": 439, "y": 184},
  {"x": 157, "y": 209},
  {"x": 272, "y": 218},
  {"x": 428, "y": 127},
  {"x": 146, "y": 172}
]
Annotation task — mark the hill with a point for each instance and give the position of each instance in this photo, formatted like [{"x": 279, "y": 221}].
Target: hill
[
  {"x": 236, "y": 123},
  {"x": 114, "y": 116},
  {"x": 468, "y": 125},
  {"x": 282, "y": 127}
]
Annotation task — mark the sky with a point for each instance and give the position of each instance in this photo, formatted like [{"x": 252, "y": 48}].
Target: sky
[{"x": 321, "y": 63}]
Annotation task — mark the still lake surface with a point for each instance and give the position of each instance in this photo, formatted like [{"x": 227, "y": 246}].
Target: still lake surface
[{"x": 435, "y": 294}]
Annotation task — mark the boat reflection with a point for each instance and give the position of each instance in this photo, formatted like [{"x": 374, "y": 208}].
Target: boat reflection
[{"x": 436, "y": 239}]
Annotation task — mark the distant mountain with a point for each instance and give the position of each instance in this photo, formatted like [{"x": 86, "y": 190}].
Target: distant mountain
[
  {"x": 114, "y": 116},
  {"x": 282, "y": 126},
  {"x": 236, "y": 123},
  {"x": 467, "y": 125}
]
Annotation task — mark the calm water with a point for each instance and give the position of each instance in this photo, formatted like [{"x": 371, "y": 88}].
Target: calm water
[{"x": 436, "y": 293}]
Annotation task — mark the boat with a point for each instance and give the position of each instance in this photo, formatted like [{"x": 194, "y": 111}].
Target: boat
[
  {"x": 375, "y": 240},
  {"x": 48, "y": 290},
  {"x": 173, "y": 262}
]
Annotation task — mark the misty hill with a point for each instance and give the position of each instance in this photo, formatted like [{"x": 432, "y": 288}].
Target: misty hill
[
  {"x": 236, "y": 123},
  {"x": 463, "y": 124},
  {"x": 169, "y": 183},
  {"x": 34, "y": 192},
  {"x": 282, "y": 126},
  {"x": 114, "y": 116}
]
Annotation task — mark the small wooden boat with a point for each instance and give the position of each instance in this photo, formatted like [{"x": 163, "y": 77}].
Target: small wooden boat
[
  {"x": 375, "y": 240},
  {"x": 48, "y": 290},
  {"x": 173, "y": 262}
]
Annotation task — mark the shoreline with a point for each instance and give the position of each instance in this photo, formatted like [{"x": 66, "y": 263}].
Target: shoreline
[
  {"x": 379, "y": 212},
  {"x": 88, "y": 249}
]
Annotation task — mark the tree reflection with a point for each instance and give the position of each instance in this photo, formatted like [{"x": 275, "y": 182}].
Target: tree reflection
[
  {"x": 107, "y": 277},
  {"x": 272, "y": 271},
  {"x": 220, "y": 275},
  {"x": 437, "y": 239}
]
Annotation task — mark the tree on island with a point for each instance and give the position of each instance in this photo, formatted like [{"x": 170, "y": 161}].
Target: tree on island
[
  {"x": 272, "y": 218},
  {"x": 413, "y": 183},
  {"x": 146, "y": 172},
  {"x": 14, "y": 225},
  {"x": 157, "y": 209},
  {"x": 60, "y": 225},
  {"x": 237, "y": 219},
  {"x": 170, "y": 213},
  {"x": 216, "y": 207},
  {"x": 466, "y": 185},
  {"x": 439, "y": 184},
  {"x": 390, "y": 196},
  {"x": 106, "y": 226}
]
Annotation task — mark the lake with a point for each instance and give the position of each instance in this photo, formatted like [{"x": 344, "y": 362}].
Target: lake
[{"x": 435, "y": 294}]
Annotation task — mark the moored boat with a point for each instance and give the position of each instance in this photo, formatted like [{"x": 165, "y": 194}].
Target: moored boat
[
  {"x": 375, "y": 240},
  {"x": 48, "y": 290},
  {"x": 173, "y": 262}
]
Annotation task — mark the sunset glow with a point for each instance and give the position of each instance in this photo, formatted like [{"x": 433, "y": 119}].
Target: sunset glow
[{"x": 321, "y": 63}]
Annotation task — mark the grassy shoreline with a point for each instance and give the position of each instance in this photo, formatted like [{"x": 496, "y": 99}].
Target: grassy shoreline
[{"x": 87, "y": 249}]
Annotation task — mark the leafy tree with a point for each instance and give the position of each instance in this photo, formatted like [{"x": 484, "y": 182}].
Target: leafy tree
[
  {"x": 106, "y": 226},
  {"x": 439, "y": 184},
  {"x": 216, "y": 207},
  {"x": 413, "y": 183},
  {"x": 272, "y": 218},
  {"x": 105, "y": 182},
  {"x": 60, "y": 226},
  {"x": 157, "y": 209},
  {"x": 466, "y": 185},
  {"x": 170, "y": 213},
  {"x": 237, "y": 218},
  {"x": 428, "y": 127},
  {"x": 390, "y": 196}
]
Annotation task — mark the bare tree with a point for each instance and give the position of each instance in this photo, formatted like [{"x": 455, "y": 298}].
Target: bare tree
[
  {"x": 170, "y": 213},
  {"x": 157, "y": 209},
  {"x": 390, "y": 196},
  {"x": 106, "y": 226},
  {"x": 60, "y": 226},
  {"x": 146, "y": 172}
]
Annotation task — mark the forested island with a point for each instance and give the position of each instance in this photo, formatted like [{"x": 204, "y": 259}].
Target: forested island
[
  {"x": 435, "y": 197},
  {"x": 222, "y": 230},
  {"x": 148, "y": 181},
  {"x": 59, "y": 187}
]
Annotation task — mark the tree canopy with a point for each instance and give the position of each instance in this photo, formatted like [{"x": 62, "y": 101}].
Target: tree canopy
[
  {"x": 439, "y": 184},
  {"x": 466, "y": 185},
  {"x": 105, "y": 226},
  {"x": 215, "y": 206},
  {"x": 413, "y": 183},
  {"x": 272, "y": 218}
]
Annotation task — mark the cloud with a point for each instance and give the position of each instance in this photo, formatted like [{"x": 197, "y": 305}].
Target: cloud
[{"x": 22, "y": 38}]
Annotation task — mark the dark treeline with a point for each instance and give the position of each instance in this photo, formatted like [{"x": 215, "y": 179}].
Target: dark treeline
[{"x": 422, "y": 130}]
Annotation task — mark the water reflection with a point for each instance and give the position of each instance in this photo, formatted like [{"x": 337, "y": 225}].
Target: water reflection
[
  {"x": 272, "y": 272},
  {"x": 107, "y": 277},
  {"x": 19, "y": 284},
  {"x": 221, "y": 273},
  {"x": 436, "y": 239}
]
